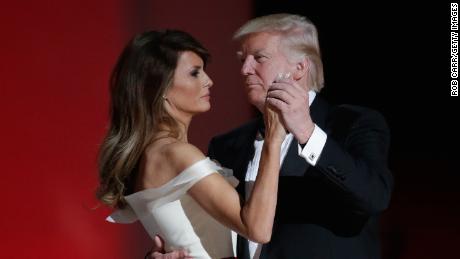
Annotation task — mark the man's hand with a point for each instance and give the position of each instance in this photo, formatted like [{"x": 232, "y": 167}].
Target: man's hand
[
  {"x": 158, "y": 251},
  {"x": 291, "y": 101}
]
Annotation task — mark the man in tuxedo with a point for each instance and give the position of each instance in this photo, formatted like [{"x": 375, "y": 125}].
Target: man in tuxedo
[{"x": 334, "y": 179}]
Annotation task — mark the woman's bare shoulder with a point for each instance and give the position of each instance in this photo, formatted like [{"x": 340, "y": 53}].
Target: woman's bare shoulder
[
  {"x": 182, "y": 155},
  {"x": 167, "y": 159}
]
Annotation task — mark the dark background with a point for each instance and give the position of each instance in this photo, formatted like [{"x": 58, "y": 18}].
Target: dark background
[{"x": 56, "y": 61}]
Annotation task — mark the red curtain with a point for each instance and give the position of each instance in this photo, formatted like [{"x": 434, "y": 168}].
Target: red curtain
[{"x": 56, "y": 58}]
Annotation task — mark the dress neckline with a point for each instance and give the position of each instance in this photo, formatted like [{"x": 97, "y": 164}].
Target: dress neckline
[{"x": 180, "y": 175}]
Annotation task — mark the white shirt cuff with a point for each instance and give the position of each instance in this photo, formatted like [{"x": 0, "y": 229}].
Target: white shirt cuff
[{"x": 315, "y": 144}]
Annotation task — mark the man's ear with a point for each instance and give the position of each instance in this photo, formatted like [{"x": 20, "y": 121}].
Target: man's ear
[{"x": 301, "y": 69}]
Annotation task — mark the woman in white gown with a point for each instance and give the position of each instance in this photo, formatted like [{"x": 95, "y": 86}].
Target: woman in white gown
[{"x": 149, "y": 171}]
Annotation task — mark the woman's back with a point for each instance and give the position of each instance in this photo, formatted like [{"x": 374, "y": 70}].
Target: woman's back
[
  {"x": 160, "y": 163},
  {"x": 164, "y": 207}
]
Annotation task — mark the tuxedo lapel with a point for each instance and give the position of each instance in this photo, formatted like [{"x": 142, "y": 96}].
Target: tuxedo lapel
[
  {"x": 319, "y": 110},
  {"x": 244, "y": 152},
  {"x": 293, "y": 164}
]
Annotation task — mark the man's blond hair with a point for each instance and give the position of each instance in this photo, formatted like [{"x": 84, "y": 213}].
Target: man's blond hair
[{"x": 299, "y": 38}]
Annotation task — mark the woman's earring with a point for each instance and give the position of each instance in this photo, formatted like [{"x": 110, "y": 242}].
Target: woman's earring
[{"x": 164, "y": 97}]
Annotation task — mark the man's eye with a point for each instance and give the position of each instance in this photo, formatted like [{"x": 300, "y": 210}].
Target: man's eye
[{"x": 259, "y": 58}]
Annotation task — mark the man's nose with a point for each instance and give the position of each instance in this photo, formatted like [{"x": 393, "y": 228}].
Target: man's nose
[{"x": 247, "y": 67}]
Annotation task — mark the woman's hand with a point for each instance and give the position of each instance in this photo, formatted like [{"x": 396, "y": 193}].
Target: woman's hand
[{"x": 274, "y": 129}]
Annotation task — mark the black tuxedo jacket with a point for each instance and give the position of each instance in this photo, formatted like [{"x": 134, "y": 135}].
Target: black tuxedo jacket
[{"x": 329, "y": 210}]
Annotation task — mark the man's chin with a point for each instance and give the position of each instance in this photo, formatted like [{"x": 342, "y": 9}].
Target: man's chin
[{"x": 256, "y": 100}]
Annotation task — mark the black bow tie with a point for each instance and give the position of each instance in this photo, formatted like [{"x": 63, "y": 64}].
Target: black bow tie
[{"x": 261, "y": 128}]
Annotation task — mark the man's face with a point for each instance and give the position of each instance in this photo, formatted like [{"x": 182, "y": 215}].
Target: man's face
[{"x": 262, "y": 61}]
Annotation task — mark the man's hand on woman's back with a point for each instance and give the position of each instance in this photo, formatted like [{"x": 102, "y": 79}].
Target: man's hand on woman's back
[{"x": 158, "y": 251}]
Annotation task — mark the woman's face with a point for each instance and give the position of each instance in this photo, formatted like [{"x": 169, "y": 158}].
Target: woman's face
[{"x": 189, "y": 92}]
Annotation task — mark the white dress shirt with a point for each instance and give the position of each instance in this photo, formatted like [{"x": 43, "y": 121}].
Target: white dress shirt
[{"x": 311, "y": 152}]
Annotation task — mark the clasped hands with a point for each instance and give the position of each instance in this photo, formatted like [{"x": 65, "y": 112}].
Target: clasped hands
[{"x": 291, "y": 101}]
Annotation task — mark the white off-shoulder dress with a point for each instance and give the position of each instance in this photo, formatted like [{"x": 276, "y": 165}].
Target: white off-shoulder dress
[{"x": 170, "y": 212}]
